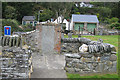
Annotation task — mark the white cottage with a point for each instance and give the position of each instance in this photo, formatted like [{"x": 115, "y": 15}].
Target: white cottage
[
  {"x": 65, "y": 22},
  {"x": 29, "y": 20}
]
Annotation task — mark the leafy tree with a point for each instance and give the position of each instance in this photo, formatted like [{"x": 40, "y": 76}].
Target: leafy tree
[
  {"x": 46, "y": 15},
  {"x": 10, "y": 12},
  {"x": 77, "y": 13},
  {"x": 104, "y": 13}
]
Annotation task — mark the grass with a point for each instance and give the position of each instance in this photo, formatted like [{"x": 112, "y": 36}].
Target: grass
[
  {"x": 92, "y": 76},
  {"x": 111, "y": 39}
]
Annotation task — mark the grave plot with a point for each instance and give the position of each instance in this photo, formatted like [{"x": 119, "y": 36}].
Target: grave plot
[{"x": 85, "y": 56}]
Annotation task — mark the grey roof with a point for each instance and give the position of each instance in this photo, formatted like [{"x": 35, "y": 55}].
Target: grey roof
[
  {"x": 85, "y": 18},
  {"x": 29, "y": 18}
]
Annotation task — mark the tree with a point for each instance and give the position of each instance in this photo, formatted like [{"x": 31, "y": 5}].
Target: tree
[
  {"x": 113, "y": 20},
  {"x": 104, "y": 13},
  {"x": 77, "y": 13},
  {"x": 46, "y": 15},
  {"x": 10, "y": 12}
]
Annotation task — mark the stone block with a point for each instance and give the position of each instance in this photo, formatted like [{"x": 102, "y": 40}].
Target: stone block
[
  {"x": 72, "y": 70},
  {"x": 87, "y": 55},
  {"x": 109, "y": 63},
  {"x": 86, "y": 59},
  {"x": 105, "y": 58},
  {"x": 114, "y": 67},
  {"x": 77, "y": 70},
  {"x": 90, "y": 66},
  {"x": 79, "y": 65},
  {"x": 100, "y": 67},
  {"x": 75, "y": 60},
  {"x": 113, "y": 57},
  {"x": 73, "y": 55},
  {"x": 69, "y": 64}
]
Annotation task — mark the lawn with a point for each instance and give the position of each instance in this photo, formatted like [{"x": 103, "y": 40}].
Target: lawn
[
  {"x": 111, "y": 39},
  {"x": 92, "y": 76}
]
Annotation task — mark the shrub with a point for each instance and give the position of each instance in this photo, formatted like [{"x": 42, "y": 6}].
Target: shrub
[
  {"x": 113, "y": 20},
  {"x": 13, "y": 23},
  {"x": 27, "y": 27},
  {"x": 115, "y": 25}
]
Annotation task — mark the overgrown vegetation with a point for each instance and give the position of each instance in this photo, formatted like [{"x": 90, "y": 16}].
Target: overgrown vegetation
[
  {"x": 15, "y": 26},
  {"x": 27, "y": 27},
  {"x": 9, "y": 22}
]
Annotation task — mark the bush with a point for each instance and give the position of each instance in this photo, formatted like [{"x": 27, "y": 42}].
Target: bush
[
  {"x": 27, "y": 27},
  {"x": 115, "y": 25},
  {"x": 113, "y": 20},
  {"x": 13, "y": 23}
]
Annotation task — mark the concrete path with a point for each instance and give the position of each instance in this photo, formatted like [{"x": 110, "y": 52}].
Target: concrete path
[{"x": 48, "y": 66}]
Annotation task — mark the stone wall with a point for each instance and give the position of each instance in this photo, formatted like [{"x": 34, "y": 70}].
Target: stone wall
[
  {"x": 86, "y": 56},
  {"x": 16, "y": 57},
  {"x": 16, "y": 63}
]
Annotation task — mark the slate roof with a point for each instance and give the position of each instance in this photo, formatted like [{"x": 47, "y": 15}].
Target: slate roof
[
  {"x": 84, "y": 18},
  {"x": 28, "y": 18}
]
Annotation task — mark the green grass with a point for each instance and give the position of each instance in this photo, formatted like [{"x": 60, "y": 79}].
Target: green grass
[
  {"x": 92, "y": 76},
  {"x": 111, "y": 39}
]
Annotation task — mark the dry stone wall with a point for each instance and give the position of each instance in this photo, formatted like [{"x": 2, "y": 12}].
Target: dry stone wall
[
  {"x": 86, "y": 56},
  {"x": 16, "y": 57}
]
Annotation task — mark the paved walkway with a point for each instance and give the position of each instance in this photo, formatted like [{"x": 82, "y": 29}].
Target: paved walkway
[{"x": 48, "y": 66}]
